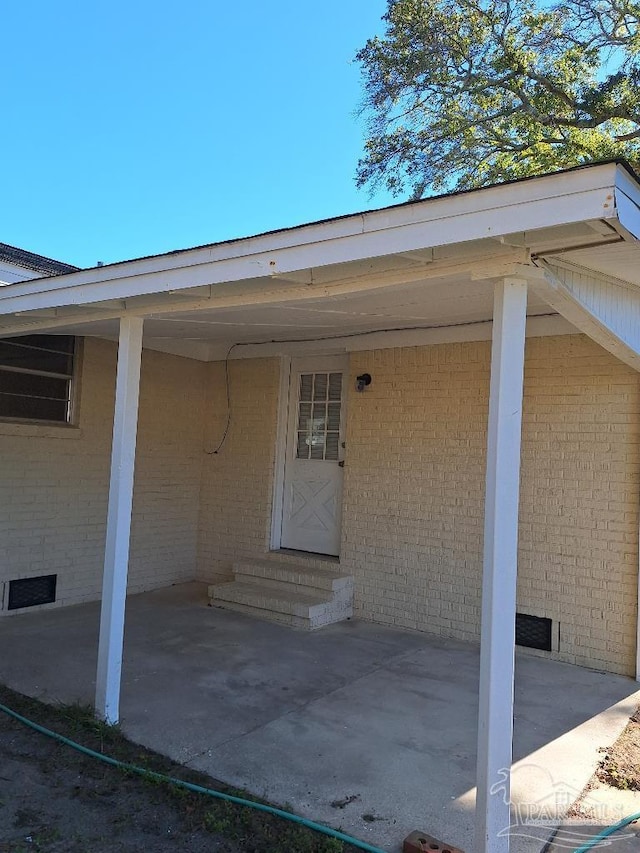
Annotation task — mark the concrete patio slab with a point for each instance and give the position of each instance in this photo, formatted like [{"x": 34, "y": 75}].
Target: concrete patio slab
[{"x": 363, "y": 727}]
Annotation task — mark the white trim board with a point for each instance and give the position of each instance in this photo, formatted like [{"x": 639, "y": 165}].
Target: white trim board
[
  {"x": 277, "y": 502},
  {"x": 537, "y": 327}
]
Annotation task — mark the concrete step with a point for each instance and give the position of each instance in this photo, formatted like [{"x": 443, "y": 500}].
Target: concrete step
[
  {"x": 313, "y": 611},
  {"x": 293, "y": 602},
  {"x": 259, "y": 613},
  {"x": 274, "y": 575},
  {"x": 292, "y": 594}
]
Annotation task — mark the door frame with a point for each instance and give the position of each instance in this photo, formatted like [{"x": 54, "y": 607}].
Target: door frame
[
  {"x": 282, "y": 434},
  {"x": 277, "y": 503}
]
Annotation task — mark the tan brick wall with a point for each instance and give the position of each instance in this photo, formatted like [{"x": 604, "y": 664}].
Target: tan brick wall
[
  {"x": 414, "y": 489},
  {"x": 414, "y": 486},
  {"x": 579, "y": 500},
  {"x": 54, "y": 481},
  {"x": 237, "y": 482},
  {"x": 169, "y": 464}
]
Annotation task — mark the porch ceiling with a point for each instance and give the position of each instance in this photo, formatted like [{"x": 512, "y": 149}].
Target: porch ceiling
[{"x": 420, "y": 304}]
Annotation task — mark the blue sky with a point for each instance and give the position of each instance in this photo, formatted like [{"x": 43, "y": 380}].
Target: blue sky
[{"x": 135, "y": 128}]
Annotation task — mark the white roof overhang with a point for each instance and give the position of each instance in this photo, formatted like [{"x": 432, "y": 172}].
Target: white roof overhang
[{"x": 420, "y": 265}]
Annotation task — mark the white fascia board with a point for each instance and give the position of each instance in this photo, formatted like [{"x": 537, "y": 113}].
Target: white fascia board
[
  {"x": 627, "y": 194},
  {"x": 539, "y": 203}
]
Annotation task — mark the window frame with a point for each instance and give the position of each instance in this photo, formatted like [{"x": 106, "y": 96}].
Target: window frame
[{"x": 74, "y": 379}]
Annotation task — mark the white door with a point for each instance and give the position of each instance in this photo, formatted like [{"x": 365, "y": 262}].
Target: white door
[{"x": 312, "y": 505}]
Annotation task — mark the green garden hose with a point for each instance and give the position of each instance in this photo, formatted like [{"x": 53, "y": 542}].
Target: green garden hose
[
  {"x": 310, "y": 824},
  {"x": 198, "y": 789},
  {"x": 591, "y": 843}
]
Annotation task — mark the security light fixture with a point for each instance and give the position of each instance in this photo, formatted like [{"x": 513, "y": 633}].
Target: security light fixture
[{"x": 362, "y": 381}]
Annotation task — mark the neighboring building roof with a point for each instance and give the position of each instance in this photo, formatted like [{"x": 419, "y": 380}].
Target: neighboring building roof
[{"x": 31, "y": 261}]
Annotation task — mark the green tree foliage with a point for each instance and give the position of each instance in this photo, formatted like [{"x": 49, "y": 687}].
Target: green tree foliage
[{"x": 465, "y": 93}]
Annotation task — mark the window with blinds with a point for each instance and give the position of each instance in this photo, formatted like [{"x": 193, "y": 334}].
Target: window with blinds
[{"x": 36, "y": 377}]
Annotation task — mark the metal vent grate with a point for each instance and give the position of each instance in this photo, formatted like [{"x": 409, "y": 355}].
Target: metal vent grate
[
  {"x": 534, "y": 632},
  {"x": 27, "y": 592}
]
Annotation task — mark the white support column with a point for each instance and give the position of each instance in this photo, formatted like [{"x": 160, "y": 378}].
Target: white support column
[
  {"x": 495, "y": 719},
  {"x": 116, "y": 557}
]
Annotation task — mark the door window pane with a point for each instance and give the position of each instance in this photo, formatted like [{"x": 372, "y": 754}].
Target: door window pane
[
  {"x": 331, "y": 447},
  {"x": 333, "y": 417},
  {"x": 320, "y": 386},
  {"x": 306, "y": 387},
  {"x": 335, "y": 386}
]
